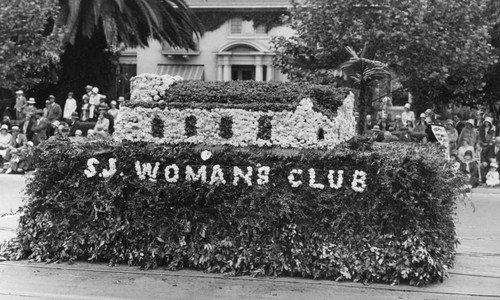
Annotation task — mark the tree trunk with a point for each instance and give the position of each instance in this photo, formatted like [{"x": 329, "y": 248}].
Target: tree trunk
[{"x": 361, "y": 108}]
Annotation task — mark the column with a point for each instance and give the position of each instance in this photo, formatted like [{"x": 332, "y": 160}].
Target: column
[
  {"x": 259, "y": 69},
  {"x": 219, "y": 72},
  {"x": 269, "y": 73},
  {"x": 227, "y": 69}
]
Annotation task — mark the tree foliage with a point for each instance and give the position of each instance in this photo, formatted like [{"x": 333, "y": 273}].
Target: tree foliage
[
  {"x": 29, "y": 49},
  {"x": 426, "y": 42}
]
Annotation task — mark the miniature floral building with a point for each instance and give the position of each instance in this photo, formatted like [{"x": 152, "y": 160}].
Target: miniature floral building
[{"x": 151, "y": 117}]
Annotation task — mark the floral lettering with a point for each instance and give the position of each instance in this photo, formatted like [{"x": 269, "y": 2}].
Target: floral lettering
[
  {"x": 312, "y": 180},
  {"x": 238, "y": 173},
  {"x": 217, "y": 176},
  {"x": 340, "y": 179},
  {"x": 291, "y": 177},
  {"x": 91, "y": 171},
  {"x": 172, "y": 179},
  {"x": 200, "y": 175},
  {"x": 263, "y": 175},
  {"x": 358, "y": 181}
]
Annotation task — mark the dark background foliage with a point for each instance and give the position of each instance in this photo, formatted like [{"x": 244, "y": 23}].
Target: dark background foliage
[{"x": 400, "y": 228}]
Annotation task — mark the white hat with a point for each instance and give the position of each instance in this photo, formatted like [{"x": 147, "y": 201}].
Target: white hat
[
  {"x": 113, "y": 102},
  {"x": 398, "y": 116},
  {"x": 30, "y": 143},
  {"x": 4, "y": 126},
  {"x": 19, "y": 92},
  {"x": 470, "y": 121},
  {"x": 78, "y": 132},
  {"x": 95, "y": 90},
  {"x": 489, "y": 119},
  {"x": 15, "y": 127},
  {"x": 422, "y": 115},
  {"x": 407, "y": 105},
  {"x": 494, "y": 164},
  {"x": 31, "y": 101}
]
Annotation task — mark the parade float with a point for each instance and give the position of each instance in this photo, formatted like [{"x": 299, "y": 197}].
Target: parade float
[{"x": 245, "y": 178}]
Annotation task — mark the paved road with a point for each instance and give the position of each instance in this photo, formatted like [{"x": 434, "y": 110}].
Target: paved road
[{"x": 476, "y": 274}]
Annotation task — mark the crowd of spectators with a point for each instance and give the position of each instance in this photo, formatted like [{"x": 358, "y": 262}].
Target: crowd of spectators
[
  {"x": 33, "y": 125},
  {"x": 473, "y": 137}
]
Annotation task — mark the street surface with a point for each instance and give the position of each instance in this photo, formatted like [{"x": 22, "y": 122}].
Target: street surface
[{"x": 476, "y": 274}]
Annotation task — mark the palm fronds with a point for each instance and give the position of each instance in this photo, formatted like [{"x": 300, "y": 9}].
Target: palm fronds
[{"x": 362, "y": 69}]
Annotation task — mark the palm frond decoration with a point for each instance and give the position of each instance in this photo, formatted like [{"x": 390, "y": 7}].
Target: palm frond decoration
[{"x": 362, "y": 69}]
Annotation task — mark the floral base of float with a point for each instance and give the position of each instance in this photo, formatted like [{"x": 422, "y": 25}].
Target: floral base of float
[{"x": 219, "y": 175}]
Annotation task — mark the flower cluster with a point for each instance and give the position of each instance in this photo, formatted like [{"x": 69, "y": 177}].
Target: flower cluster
[
  {"x": 289, "y": 129},
  {"x": 146, "y": 169},
  {"x": 312, "y": 180},
  {"x": 112, "y": 169},
  {"x": 291, "y": 178},
  {"x": 263, "y": 175},
  {"x": 175, "y": 169},
  {"x": 238, "y": 173},
  {"x": 151, "y": 87},
  {"x": 91, "y": 171},
  {"x": 217, "y": 176},
  {"x": 340, "y": 179},
  {"x": 359, "y": 181}
]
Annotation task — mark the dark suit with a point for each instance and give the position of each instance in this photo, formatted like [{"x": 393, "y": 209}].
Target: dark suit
[
  {"x": 39, "y": 129},
  {"x": 54, "y": 112}
]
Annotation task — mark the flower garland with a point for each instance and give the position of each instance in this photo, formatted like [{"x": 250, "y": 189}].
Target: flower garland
[
  {"x": 263, "y": 175},
  {"x": 291, "y": 177},
  {"x": 217, "y": 176},
  {"x": 238, "y": 173},
  {"x": 112, "y": 169},
  {"x": 312, "y": 180},
  {"x": 91, "y": 171},
  {"x": 340, "y": 179},
  {"x": 151, "y": 87},
  {"x": 358, "y": 182},
  {"x": 148, "y": 170},
  {"x": 174, "y": 178}
]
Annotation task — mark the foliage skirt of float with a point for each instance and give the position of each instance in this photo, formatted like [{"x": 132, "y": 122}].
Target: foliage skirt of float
[{"x": 382, "y": 215}]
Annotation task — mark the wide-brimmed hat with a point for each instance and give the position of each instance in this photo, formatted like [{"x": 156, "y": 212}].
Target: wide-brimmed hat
[
  {"x": 52, "y": 97},
  {"x": 398, "y": 116},
  {"x": 449, "y": 121},
  {"x": 422, "y": 115},
  {"x": 75, "y": 115},
  {"x": 489, "y": 119},
  {"x": 470, "y": 121},
  {"x": 78, "y": 132},
  {"x": 19, "y": 92},
  {"x": 15, "y": 128},
  {"x": 88, "y": 87},
  {"x": 114, "y": 103},
  {"x": 407, "y": 105},
  {"x": 376, "y": 128},
  {"x": 31, "y": 101},
  {"x": 95, "y": 90},
  {"x": 494, "y": 165},
  {"x": 4, "y": 126}
]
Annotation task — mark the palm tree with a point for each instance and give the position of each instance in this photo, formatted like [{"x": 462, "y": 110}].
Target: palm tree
[
  {"x": 130, "y": 22},
  {"x": 364, "y": 72}
]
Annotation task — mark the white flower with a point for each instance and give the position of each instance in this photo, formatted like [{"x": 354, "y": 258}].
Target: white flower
[
  {"x": 263, "y": 175},
  {"x": 200, "y": 175},
  {"x": 112, "y": 169},
  {"x": 340, "y": 179},
  {"x": 147, "y": 170},
  {"x": 91, "y": 171},
  {"x": 358, "y": 182},
  {"x": 312, "y": 180},
  {"x": 217, "y": 176},
  {"x": 174, "y": 178},
  {"x": 291, "y": 177},
  {"x": 238, "y": 173},
  {"x": 205, "y": 154}
]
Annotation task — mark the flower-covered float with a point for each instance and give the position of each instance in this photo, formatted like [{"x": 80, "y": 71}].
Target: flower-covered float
[
  {"x": 287, "y": 125},
  {"x": 251, "y": 178}
]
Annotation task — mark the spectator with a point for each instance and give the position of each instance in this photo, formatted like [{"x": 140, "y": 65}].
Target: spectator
[
  {"x": 376, "y": 134},
  {"x": 408, "y": 115},
  {"x": 121, "y": 99},
  {"x": 478, "y": 152},
  {"x": 384, "y": 124},
  {"x": 382, "y": 114},
  {"x": 5, "y": 142},
  {"x": 464, "y": 147},
  {"x": 455, "y": 161},
  {"x": 78, "y": 136},
  {"x": 452, "y": 134},
  {"x": 73, "y": 124},
  {"x": 470, "y": 169},
  {"x": 101, "y": 127},
  {"x": 40, "y": 127},
  {"x": 492, "y": 177},
  {"x": 94, "y": 101},
  {"x": 468, "y": 134},
  {"x": 29, "y": 110},
  {"x": 108, "y": 116},
  {"x": 459, "y": 124},
  {"x": 90, "y": 134},
  {"x": 54, "y": 110},
  {"x": 6, "y": 121},
  {"x": 20, "y": 105},
  {"x": 46, "y": 108},
  {"x": 368, "y": 124},
  {"x": 26, "y": 159},
  {"x": 69, "y": 106},
  {"x": 85, "y": 109},
  {"x": 28, "y": 124},
  {"x": 397, "y": 125},
  {"x": 18, "y": 141},
  {"x": 88, "y": 90},
  {"x": 486, "y": 132}
]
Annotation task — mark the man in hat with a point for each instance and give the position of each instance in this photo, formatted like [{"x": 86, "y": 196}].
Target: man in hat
[
  {"x": 54, "y": 110},
  {"x": 94, "y": 101},
  {"x": 40, "y": 127},
  {"x": 88, "y": 90},
  {"x": 74, "y": 124},
  {"x": 20, "y": 105},
  {"x": 30, "y": 109},
  {"x": 458, "y": 123},
  {"x": 103, "y": 108},
  {"x": 18, "y": 141},
  {"x": 408, "y": 116}
]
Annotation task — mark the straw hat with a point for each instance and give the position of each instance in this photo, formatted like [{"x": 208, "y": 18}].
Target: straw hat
[{"x": 31, "y": 101}]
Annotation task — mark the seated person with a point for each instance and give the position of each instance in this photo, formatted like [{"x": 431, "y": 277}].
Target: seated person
[
  {"x": 101, "y": 127},
  {"x": 470, "y": 169},
  {"x": 464, "y": 148},
  {"x": 490, "y": 154},
  {"x": 5, "y": 142},
  {"x": 397, "y": 124},
  {"x": 492, "y": 177}
]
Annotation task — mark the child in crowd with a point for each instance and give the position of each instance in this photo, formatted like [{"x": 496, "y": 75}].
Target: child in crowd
[
  {"x": 470, "y": 169},
  {"x": 69, "y": 107},
  {"x": 492, "y": 177}
]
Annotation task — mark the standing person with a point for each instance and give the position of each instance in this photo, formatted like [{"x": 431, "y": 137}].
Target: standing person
[
  {"x": 69, "y": 106},
  {"x": 468, "y": 134},
  {"x": 94, "y": 101},
  {"x": 46, "y": 108},
  {"x": 452, "y": 134},
  {"x": 121, "y": 100},
  {"x": 486, "y": 132},
  {"x": 459, "y": 124},
  {"x": 85, "y": 109},
  {"x": 55, "y": 111},
  {"x": 408, "y": 115},
  {"x": 113, "y": 111},
  {"x": 5, "y": 142},
  {"x": 20, "y": 105},
  {"x": 469, "y": 167},
  {"x": 40, "y": 127},
  {"x": 88, "y": 90},
  {"x": 29, "y": 110}
]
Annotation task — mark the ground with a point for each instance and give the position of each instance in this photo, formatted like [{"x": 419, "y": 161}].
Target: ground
[{"x": 475, "y": 275}]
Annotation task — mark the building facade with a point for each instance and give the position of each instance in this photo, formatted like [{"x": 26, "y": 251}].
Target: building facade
[{"x": 234, "y": 47}]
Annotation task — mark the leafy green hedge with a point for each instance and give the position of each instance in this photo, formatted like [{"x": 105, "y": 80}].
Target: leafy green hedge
[
  {"x": 249, "y": 94},
  {"x": 400, "y": 228}
]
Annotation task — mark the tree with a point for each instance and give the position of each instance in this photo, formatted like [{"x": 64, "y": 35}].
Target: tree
[
  {"x": 425, "y": 42},
  {"x": 364, "y": 73},
  {"x": 29, "y": 49},
  {"x": 130, "y": 22}
]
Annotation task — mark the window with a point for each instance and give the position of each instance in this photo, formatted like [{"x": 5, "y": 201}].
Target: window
[
  {"x": 261, "y": 29},
  {"x": 236, "y": 26}
]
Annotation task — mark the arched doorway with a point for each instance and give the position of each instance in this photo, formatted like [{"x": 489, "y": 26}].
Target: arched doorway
[{"x": 244, "y": 60}]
